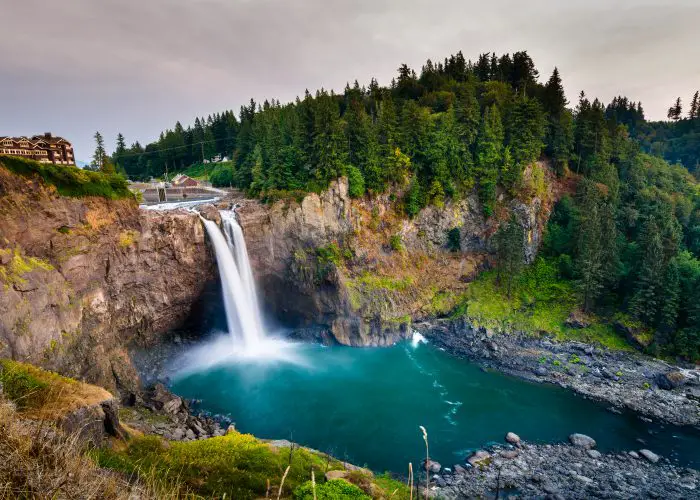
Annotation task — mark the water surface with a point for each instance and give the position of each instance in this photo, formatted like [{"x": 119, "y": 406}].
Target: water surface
[{"x": 365, "y": 405}]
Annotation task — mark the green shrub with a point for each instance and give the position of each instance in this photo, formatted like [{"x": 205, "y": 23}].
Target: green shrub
[
  {"x": 70, "y": 180},
  {"x": 330, "y": 254},
  {"x": 222, "y": 175},
  {"x": 356, "y": 182},
  {"x": 335, "y": 489},
  {"x": 396, "y": 243}
]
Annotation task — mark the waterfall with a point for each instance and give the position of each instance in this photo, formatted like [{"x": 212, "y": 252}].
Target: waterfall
[
  {"x": 238, "y": 287},
  {"x": 236, "y": 243}
]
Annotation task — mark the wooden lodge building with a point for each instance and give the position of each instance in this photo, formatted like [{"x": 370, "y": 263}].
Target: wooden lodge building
[{"x": 43, "y": 148}]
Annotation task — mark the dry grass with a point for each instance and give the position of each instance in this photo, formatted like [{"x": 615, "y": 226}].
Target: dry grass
[
  {"x": 39, "y": 461},
  {"x": 44, "y": 395}
]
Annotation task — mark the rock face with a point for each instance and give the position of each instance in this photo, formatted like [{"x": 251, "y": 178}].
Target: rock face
[
  {"x": 363, "y": 271},
  {"x": 80, "y": 279}
]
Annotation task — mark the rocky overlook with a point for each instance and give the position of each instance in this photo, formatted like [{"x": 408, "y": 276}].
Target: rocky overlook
[{"x": 83, "y": 277}]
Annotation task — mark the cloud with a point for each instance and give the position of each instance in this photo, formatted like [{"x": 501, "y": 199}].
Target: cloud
[{"x": 136, "y": 66}]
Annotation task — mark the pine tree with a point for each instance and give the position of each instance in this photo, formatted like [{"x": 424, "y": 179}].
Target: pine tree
[
  {"x": 589, "y": 265},
  {"x": 99, "y": 155},
  {"x": 695, "y": 107},
  {"x": 525, "y": 133},
  {"x": 258, "y": 173},
  {"x": 675, "y": 112},
  {"x": 671, "y": 295},
  {"x": 647, "y": 299},
  {"x": 362, "y": 145},
  {"x": 120, "y": 151},
  {"x": 559, "y": 130},
  {"x": 510, "y": 251},
  {"x": 328, "y": 142},
  {"x": 489, "y": 157}
]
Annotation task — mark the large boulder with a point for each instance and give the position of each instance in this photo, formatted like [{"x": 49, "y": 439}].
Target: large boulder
[
  {"x": 650, "y": 455},
  {"x": 480, "y": 458},
  {"x": 670, "y": 380},
  {"x": 432, "y": 466},
  {"x": 582, "y": 441}
]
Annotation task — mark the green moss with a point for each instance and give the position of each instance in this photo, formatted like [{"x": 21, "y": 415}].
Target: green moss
[
  {"x": 574, "y": 359},
  {"x": 330, "y": 254},
  {"x": 70, "y": 180},
  {"x": 237, "y": 465},
  {"x": 442, "y": 303},
  {"x": 539, "y": 302},
  {"x": 335, "y": 489},
  {"x": 128, "y": 238},
  {"x": 22, "y": 385},
  {"x": 18, "y": 266}
]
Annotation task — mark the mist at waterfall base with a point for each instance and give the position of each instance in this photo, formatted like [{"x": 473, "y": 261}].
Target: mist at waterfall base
[{"x": 364, "y": 405}]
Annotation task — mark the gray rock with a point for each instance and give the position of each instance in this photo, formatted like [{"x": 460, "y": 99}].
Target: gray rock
[
  {"x": 594, "y": 454},
  {"x": 479, "y": 458},
  {"x": 513, "y": 438},
  {"x": 432, "y": 466},
  {"x": 541, "y": 371},
  {"x": 650, "y": 455},
  {"x": 670, "y": 380},
  {"x": 509, "y": 454},
  {"x": 189, "y": 434},
  {"x": 459, "y": 470},
  {"x": 633, "y": 454},
  {"x": 582, "y": 441}
]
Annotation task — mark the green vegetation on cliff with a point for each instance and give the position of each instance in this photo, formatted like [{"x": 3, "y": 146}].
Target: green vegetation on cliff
[{"x": 70, "y": 180}]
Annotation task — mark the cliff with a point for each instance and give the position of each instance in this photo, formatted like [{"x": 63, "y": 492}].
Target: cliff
[
  {"x": 363, "y": 270},
  {"x": 82, "y": 278}
]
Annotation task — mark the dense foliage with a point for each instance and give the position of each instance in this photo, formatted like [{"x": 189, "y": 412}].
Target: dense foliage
[
  {"x": 629, "y": 239},
  {"x": 70, "y": 180}
]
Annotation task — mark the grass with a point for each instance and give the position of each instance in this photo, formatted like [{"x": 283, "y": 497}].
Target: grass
[
  {"x": 69, "y": 180},
  {"x": 539, "y": 302},
  {"x": 46, "y": 395},
  {"x": 18, "y": 266},
  {"x": 238, "y": 465}
]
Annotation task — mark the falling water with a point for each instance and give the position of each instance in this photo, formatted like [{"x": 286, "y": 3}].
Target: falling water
[
  {"x": 236, "y": 243},
  {"x": 242, "y": 313}
]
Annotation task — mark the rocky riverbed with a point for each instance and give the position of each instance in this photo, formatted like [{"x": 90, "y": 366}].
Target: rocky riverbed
[
  {"x": 626, "y": 380},
  {"x": 574, "y": 470}
]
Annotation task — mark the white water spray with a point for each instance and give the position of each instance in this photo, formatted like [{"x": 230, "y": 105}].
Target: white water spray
[{"x": 242, "y": 313}]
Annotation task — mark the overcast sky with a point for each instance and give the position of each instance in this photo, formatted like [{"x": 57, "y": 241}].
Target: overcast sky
[{"x": 138, "y": 66}]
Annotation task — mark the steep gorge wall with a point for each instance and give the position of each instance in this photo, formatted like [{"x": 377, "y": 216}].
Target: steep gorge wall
[
  {"x": 386, "y": 270},
  {"x": 80, "y": 279}
]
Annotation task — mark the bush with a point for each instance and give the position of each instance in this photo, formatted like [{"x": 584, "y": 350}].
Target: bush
[
  {"x": 395, "y": 243},
  {"x": 70, "y": 180},
  {"x": 335, "y": 489},
  {"x": 356, "y": 182},
  {"x": 222, "y": 175}
]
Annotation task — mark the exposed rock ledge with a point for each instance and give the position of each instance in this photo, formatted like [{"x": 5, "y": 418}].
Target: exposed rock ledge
[
  {"x": 564, "y": 471},
  {"x": 80, "y": 279}
]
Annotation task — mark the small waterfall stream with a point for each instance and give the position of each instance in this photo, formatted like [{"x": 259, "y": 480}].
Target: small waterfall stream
[{"x": 238, "y": 286}]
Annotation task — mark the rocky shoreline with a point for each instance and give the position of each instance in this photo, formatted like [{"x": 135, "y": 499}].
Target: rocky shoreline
[
  {"x": 650, "y": 387},
  {"x": 575, "y": 470}
]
